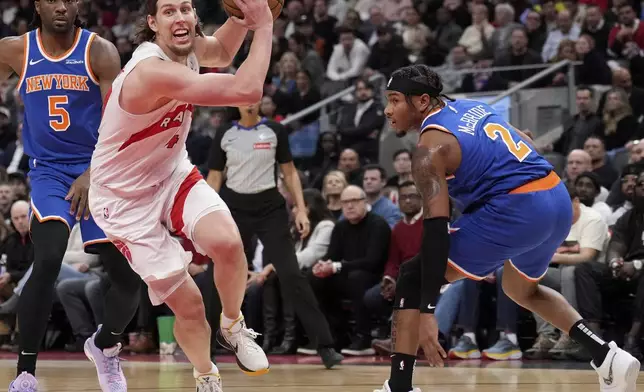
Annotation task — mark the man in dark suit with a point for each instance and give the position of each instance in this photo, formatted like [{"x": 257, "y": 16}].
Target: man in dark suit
[
  {"x": 361, "y": 122},
  {"x": 517, "y": 54}
]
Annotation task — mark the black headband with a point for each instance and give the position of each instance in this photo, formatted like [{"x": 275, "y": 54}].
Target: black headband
[{"x": 407, "y": 86}]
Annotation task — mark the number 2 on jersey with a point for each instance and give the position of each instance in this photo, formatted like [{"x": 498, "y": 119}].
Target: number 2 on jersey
[
  {"x": 59, "y": 116},
  {"x": 519, "y": 150}
]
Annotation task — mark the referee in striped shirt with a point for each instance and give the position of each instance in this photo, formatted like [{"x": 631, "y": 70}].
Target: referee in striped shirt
[{"x": 250, "y": 152}]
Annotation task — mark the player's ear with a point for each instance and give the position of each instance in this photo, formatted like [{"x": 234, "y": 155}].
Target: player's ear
[
  {"x": 152, "y": 23},
  {"x": 424, "y": 102},
  {"x": 37, "y": 6}
]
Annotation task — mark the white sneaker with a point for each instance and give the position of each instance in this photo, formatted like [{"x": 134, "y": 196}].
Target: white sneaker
[
  {"x": 385, "y": 388},
  {"x": 108, "y": 366},
  {"x": 209, "y": 383},
  {"x": 251, "y": 359},
  {"x": 619, "y": 371}
]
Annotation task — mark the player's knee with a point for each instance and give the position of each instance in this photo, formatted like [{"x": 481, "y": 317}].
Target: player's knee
[
  {"x": 518, "y": 289},
  {"x": 190, "y": 307},
  {"x": 225, "y": 246}
]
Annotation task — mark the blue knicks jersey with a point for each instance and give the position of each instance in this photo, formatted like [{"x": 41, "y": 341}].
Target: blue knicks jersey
[
  {"x": 62, "y": 101},
  {"x": 494, "y": 158}
]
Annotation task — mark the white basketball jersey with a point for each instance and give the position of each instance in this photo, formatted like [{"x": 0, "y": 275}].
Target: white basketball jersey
[{"x": 137, "y": 152}]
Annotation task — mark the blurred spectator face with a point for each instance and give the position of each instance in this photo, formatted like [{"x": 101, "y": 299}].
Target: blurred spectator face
[
  {"x": 502, "y": 14},
  {"x": 582, "y": 45},
  {"x": 376, "y": 16},
  {"x": 22, "y": 27},
  {"x": 564, "y": 21},
  {"x": 288, "y": 64},
  {"x": 123, "y": 45},
  {"x": 479, "y": 14},
  {"x": 549, "y": 10},
  {"x": 578, "y": 162},
  {"x": 627, "y": 15},
  {"x": 622, "y": 78},
  {"x": 595, "y": 148},
  {"x": 176, "y": 28},
  {"x": 571, "y": 5},
  {"x": 614, "y": 101},
  {"x": 267, "y": 107},
  {"x": 294, "y": 10},
  {"x": 19, "y": 187},
  {"x": 302, "y": 81},
  {"x": 363, "y": 92},
  {"x": 629, "y": 182},
  {"x": 279, "y": 28},
  {"x": 411, "y": 16},
  {"x": 328, "y": 143},
  {"x": 637, "y": 152},
  {"x": 409, "y": 200},
  {"x": 123, "y": 16},
  {"x": 402, "y": 163},
  {"x": 372, "y": 182},
  {"x": 593, "y": 16},
  {"x": 20, "y": 217},
  {"x": 519, "y": 41},
  {"x": 352, "y": 19},
  {"x": 354, "y": 204},
  {"x": 567, "y": 50},
  {"x": 320, "y": 9},
  {"x": 6, "y": 194},
  {"x": 586, "y": 191},
  {"x": 533, "y": 21},
  {"x": 294, "y": 47},
  {"x": 349, "y": 161},
  {"x": 384, "y": 36},
  {"x": 305, "y": 28},
  {"x": 346, "y": 39},
  {"x": 443, "y": 16},
  {"x": 334, "y": 183},
  {"x": 216, "y": 119},
  {"x": 459, "y": 55},
  {"x": 638, "y": 196},
  {"x": 584, "y": 101}
]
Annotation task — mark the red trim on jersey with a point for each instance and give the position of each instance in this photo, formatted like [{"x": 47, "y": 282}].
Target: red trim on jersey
[
  {"x": 176, "y": 214},
  {"x": 170, "y": 120}
]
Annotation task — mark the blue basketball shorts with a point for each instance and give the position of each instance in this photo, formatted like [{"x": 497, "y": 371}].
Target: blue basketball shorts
[
  {"x": 524, "y": 228},
  {"x": 50, "y": 183}
]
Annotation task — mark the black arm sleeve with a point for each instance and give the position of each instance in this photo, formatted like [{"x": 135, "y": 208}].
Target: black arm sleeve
[
  {"x": 217, "y": 156},
  {"x": 283, "y": 152},
  {"x": 433, "y": 253}
]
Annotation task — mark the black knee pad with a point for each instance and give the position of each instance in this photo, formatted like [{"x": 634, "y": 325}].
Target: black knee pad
[{"x": 408, "y": 285}]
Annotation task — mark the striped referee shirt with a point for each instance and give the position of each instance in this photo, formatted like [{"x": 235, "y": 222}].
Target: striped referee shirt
[{"x": 252, "y": 155}]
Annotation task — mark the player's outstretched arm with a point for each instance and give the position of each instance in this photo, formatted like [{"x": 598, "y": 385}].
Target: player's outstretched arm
[
  {"x": 173, "y": 80},
  {"x": 220, "y": 49},
  {"x": 105, "y": 62},
  {"x": 11, "y": 56}
]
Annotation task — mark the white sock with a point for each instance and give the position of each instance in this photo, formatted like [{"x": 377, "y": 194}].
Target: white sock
[
  {"x": 471, "y": 335},
  {"x": 213, "y": 370},
  {"x": 512, "y": 337},
  {"x": 231, "y": 324}
]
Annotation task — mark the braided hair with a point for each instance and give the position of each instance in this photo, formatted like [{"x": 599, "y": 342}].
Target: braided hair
[{"x": 423, "y": 74}]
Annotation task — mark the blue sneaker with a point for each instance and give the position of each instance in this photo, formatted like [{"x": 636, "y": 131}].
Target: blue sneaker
[
  {"x": 465, "y": 349},
  {"x": 503, "y": 350},
  {"x": 25, "y": 382}
]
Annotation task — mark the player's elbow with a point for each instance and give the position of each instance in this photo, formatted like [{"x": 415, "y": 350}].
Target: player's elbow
[{"x": 249, "y": 95}]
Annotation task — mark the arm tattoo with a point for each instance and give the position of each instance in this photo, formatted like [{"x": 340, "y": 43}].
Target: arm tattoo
[{"x": 424, "y": 172}]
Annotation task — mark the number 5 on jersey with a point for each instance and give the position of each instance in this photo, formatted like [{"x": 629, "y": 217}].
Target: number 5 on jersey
[
  {"x": 519, "y": 150},
  {"x": 59, "y": 116}
]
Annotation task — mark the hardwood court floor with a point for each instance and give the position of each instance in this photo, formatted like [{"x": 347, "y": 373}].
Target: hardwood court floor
[{"x": 173, "y": 375}]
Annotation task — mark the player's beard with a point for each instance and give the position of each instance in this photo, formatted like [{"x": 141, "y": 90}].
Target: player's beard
[{"x": 184, "y": 50}]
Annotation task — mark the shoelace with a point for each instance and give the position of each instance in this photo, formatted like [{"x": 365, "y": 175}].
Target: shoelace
[
  {"x": 248, "y": 343},
  {"x": 112, "y": 365},
  {"x": 207, "y": 384}
]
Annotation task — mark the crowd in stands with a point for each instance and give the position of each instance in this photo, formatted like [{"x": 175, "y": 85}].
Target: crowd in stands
[{"x": 370, "y": 220}]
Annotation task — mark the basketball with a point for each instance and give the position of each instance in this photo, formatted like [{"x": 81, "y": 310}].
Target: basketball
[{"x": 231, "y": 8}]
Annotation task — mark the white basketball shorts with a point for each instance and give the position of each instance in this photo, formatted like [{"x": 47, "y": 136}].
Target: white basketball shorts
[{"x": 140, "y": 226}]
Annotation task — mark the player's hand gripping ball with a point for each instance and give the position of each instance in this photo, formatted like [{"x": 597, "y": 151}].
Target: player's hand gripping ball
[{"x": 232, "y": 9}]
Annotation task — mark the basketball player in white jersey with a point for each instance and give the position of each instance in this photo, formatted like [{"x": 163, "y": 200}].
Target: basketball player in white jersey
[{"x": 143, "y": 187}]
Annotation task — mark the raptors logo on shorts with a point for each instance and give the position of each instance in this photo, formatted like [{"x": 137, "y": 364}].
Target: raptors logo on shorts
[{"x": 120, "y": 245}]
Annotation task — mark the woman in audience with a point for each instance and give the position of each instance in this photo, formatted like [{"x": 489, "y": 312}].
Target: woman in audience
[
  {"x": 334, "y": 183},
  {"x": 415, "y": 34},
  {"x": 308, "y": 251},
  {"x": 565, "y": 51},
  {"x": 288, "y": 67},
  {"x": 480, "y": 30},
  {"x": 620, "y": 126}
]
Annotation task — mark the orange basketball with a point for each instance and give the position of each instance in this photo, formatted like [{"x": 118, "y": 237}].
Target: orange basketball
[{"x": 231, "y": 8}]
